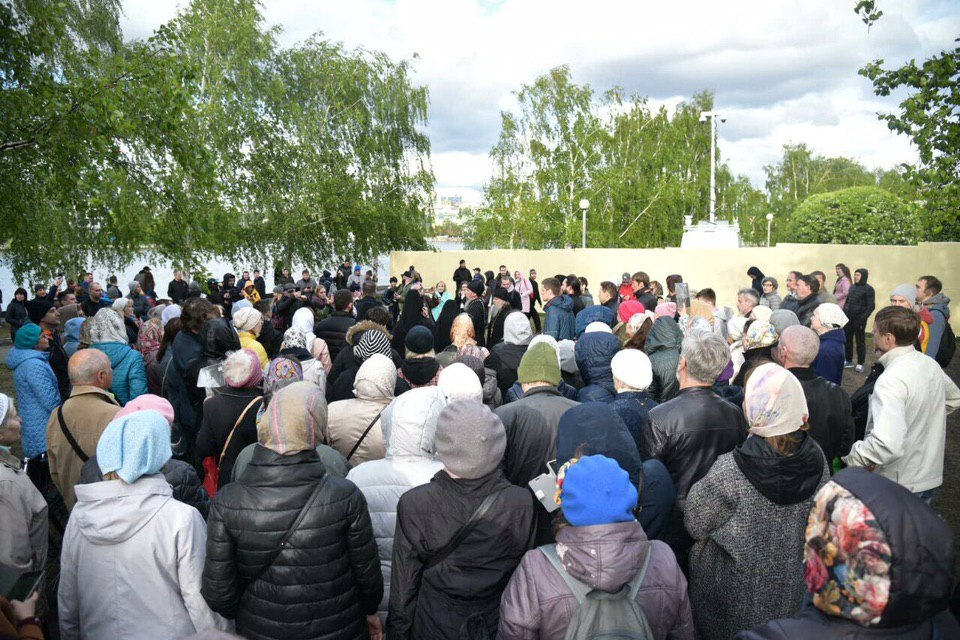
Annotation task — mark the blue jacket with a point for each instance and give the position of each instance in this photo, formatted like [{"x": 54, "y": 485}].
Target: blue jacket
[
  {"x": 559, "y": 323},
  {"x": 594, "y": 353},
  {"x": 71, "y": 341},
  {"x": 129, "y": 372},
  {"x": 633, "y": 407},
  {"x": 829, "y": 362},
  {"x": 37, "y": 396},
  {"x": 594, "y": 313}
]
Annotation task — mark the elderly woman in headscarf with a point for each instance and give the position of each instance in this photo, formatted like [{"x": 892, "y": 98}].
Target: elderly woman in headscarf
[
  {"x": 878, "y": 564},
  {"x": 748, "y": 514},
  {"x": 230, "y": 417},
  {"x": 107, "y": 333},
  {"x": 294, "y": 346},
  {"x": 259, "y": 511},
  {"x": 127, "y": 530},
  {"x": 461, "y": 335},
  {"x": 248, "y": 322},
  {"x": 124, "y": 306},
  {"x": 151, "y": 334},
  {"x": 303, "y": 320},
  {"x": 759, "y": 338}
]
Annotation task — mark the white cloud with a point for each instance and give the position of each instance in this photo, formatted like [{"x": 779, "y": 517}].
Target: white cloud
[{"x": 782, "y": 72}]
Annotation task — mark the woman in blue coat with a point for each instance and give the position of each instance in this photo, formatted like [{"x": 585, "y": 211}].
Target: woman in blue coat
[
  {"x": 108, "y": 334},
  {"x": 36, "y": 384}
]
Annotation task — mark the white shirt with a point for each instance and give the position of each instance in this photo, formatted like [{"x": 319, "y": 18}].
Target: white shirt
[{"x": 907, "y": 421}]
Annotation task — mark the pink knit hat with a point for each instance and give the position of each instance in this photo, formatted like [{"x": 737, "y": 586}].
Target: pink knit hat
[
  {"x": 628, "y": 308},
  {"x": 666, "y": 310},
  {"x": 148, "y": 402}
]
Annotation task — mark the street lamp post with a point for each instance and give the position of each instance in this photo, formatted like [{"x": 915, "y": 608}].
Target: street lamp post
[
  {"x": 769, "y": 224},
  {"x": 584, "y": 207},
  {"x": 712, "y": 116}
]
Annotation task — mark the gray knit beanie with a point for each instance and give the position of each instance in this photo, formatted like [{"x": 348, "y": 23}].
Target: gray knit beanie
[
  {"x": 906, "y": 291},
  {"x": 470, "y": 439}
]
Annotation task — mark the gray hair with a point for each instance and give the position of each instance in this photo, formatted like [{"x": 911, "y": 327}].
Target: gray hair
[
  {"x": 706, "y": 355},
  {"x": 803, "y": 344},
  {"x": 750, "y": 292}
]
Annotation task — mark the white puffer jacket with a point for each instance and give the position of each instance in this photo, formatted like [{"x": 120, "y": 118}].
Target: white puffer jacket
[{"x": 409, "y": 427}]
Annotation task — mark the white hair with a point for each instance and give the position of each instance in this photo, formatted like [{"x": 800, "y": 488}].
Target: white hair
[{"x": 706, "y": 355}]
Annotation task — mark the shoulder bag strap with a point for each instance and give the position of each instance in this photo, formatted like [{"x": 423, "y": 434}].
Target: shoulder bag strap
[
  {"x": 579, "y": 589},
  {"x": 464, "y": 531},
  {"x": 69, "y": 436},
  {"x": 226, "y": 445},
  {"x": 364, "y": 434},
  {"x": 638, "y": 579},
  {"x": 286, "y": 537}
]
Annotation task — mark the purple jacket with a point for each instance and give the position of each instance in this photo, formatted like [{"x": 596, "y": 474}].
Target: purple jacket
[{"x": 538, "y": 605}]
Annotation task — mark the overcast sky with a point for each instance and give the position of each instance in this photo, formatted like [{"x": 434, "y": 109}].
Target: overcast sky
[{"x": 781, "y": 71}]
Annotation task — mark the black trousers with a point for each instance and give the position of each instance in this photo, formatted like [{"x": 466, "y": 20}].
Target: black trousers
[
  {"x": 534, "y": 315},
  {"x": 856, "y": 329}
]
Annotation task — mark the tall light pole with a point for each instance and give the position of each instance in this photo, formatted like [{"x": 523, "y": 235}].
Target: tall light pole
[
  {"x": 769, "y": 223},
  {"x": 584, "y": 207},
  {"x": 712, "y": 116}
]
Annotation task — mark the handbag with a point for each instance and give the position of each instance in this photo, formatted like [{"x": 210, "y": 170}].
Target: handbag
[{"x": 211, "y": 465}]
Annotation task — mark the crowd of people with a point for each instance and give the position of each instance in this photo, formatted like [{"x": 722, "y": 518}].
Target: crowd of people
[{"x": 340, "y": 460}]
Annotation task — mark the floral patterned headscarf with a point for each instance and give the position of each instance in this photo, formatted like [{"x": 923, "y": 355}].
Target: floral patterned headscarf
[{"x": 846, "y": 558}]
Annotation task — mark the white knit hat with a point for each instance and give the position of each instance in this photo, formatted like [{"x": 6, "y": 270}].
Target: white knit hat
[
  {"x": 459, "y": 382},
  {"x": 831, "y": 315},
  {"x": 632, "y": 367},
  {"x": 247, "y": 319},
  {"x": 600, "y": 327}
]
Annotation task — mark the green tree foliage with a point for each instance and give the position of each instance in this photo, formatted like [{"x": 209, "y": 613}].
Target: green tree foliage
[
  {"x": 641, "y": 169},
  {"x": 858, "y": 215},
  {"x": 930, "y": 116},
  {"x": 208, "y": 139}
]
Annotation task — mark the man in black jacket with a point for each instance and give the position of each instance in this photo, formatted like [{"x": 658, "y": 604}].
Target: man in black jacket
[
  {"x": 536, "y": 300},
  {"x": 807, "y": 299},
  {"x": 831, "y": 416},
  {"x": 691, "y": 431},
  {"x": 368, "y": 301},
  {"x": 436, "y": 597},
  {"x": 477, "y": 311},
  {"x": 333, "y": 330},
  {"x": 860, "y": 303},
  {"x": 462, "y": 274},
  {"x": 259, "y": 284},
  {"x": 177, "y": 289}
]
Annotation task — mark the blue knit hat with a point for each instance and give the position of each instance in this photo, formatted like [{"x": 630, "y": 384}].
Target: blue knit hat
[
  {"x": 28, "y": 336},
  {"x": 597, "y": 491},
  {"x": 135, "y": 445}
]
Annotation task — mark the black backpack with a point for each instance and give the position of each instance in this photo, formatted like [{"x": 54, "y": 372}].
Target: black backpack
[{"x": 948, "y": 343}]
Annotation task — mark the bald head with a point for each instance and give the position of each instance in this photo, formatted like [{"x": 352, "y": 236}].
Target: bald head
[
  {"x": 90, "y": 367},
  {"x": 798, "y": 346}
]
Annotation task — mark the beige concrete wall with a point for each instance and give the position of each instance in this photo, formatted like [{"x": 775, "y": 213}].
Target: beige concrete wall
[{"x": 724, "y": 270}]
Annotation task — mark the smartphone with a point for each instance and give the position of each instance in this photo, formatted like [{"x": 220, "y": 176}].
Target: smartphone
[
  {"x": 544, "y": 487},
  {"x": 682, "y": 289},
  {"x": 25, "y": 585}
]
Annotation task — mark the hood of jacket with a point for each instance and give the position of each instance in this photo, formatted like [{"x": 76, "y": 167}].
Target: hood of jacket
[
  {"x": 410, "y": 423},
  {"x": 921, "y": 546},
  {"x": 419, "y": 371},
  {"x": 665, "y": 334},
  {"x": 16, "y": 356},
  {"x": 355, "y": 331},
  {"x": 376, "y": 378},
  {"x": 864, "y": 276},
  {"x": 516, "y": 329},
  {"x": 217, "y": 338},
  {"x": 596, "y": 428},
  {"x": 595, "y": 313},
  {"x": 781, "y": 479},
  {"x": 562, "y": 302},
  {"x": 940, "y": 302},
  {"x": 115, "y": 351},
  {"x": 72, "y": 329},
  {"x": 604, "y": 556},
  {"x": 112, "y": 511},
  {"x": 594, "y": 353},
  {"x": 835, "y": 335}
]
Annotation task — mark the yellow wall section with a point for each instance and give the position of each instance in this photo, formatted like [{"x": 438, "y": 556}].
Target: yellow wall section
[{"x": 724, "y": 270}]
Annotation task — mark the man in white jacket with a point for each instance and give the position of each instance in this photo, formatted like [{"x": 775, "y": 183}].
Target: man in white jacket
[{"x": 906, "y": 426}]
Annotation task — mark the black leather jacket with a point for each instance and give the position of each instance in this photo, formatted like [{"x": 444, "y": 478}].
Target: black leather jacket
[
  {"x": 324, "y": 581},
  {"x": 333, "y": 330}
]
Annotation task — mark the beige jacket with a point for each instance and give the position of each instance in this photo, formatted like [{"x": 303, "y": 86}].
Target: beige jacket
[
  {"x": 348, "y": 419},
  {"x": 23, "y": 524},
  {"x": 87, "y": 412}
]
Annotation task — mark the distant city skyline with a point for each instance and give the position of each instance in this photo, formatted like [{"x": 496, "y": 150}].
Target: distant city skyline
[{"x": 781, "y": 72}]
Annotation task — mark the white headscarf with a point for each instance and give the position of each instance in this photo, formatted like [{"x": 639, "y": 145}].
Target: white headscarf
[
  {"x": 303, "y": 320},
  {"x": 107, "y": 326}
]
